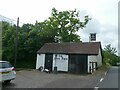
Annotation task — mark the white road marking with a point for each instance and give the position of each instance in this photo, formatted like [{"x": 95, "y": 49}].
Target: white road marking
[
  {"x": 96, "y": 88},
  {"x": 101, "y": 79}
]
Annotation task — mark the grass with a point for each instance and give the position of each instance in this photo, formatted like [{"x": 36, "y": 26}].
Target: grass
[
  {"x": 101, "y": 70},
  {"x": 19, "y": 69},
  {"x": 104, "y": 67}
]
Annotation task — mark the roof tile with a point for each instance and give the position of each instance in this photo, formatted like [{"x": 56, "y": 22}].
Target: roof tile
[{"x": 71, "y": 48}]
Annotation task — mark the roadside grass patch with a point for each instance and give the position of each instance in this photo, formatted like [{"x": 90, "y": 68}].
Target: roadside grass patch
[
  {"x": 104, "y": 67},
  {"x": 19, "y": 69}
]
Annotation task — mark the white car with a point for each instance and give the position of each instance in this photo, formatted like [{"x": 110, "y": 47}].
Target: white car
[{"x": 7, "y": 72}]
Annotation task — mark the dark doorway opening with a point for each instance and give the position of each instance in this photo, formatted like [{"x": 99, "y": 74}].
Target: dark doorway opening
[
  {"x": 78, "y": 63},
  {"x": 48, "y": 61}
]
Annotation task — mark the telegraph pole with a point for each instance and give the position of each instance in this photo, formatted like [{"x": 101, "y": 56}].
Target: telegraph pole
[{"x": 16, "y": 42}]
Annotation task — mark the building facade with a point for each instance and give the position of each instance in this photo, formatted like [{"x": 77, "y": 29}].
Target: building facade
[{"x": 70, "y": 57}]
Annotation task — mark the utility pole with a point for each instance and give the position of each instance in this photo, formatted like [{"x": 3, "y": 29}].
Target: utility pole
[{"x": 16, "y": 42}]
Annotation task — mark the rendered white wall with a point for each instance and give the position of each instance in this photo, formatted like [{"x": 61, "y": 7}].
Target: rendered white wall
[
  {"x": 40, "y": 60},
  {"x": 95, "y": 58},
  {"x": 92, "y": 58},
  {"x": 99, "y": 58},
  {"x": 61, "y": 62}
]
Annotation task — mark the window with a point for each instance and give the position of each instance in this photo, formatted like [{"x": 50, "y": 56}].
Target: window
[
  {"x": 5, "y": 65},
  {"x": 93, "y": 37}
]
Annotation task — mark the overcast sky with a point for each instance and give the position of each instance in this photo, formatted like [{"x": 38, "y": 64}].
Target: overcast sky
[{"x": 104, "y": 14}]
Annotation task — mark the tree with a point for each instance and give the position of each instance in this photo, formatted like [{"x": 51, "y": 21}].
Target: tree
[
  {"x": 65, "y": 24},
  {"x": 8, "y": 45},
  {"x": 109, "y": 54},
  {"x": 60, "y": 26},
  {"x": 110, "y": 49}
]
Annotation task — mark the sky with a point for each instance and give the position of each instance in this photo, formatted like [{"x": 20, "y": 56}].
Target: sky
[{"x": 104, "y": 14}]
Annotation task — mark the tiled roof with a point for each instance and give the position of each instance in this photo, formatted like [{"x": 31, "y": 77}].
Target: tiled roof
[{"x": 71, "y": 48}]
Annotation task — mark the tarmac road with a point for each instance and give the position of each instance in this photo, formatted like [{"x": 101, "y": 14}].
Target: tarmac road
[
  {"x": 110, "y": 80},
  {"x": 37, "y": 79}
]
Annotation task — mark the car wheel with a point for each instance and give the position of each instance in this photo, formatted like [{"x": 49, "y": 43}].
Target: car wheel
[{"x": 7, "y": 81}]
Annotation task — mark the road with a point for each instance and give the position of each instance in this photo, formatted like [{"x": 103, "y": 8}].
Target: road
[
  {"x": 110, "y": 80},
  {"x": 37, "y": 79}
]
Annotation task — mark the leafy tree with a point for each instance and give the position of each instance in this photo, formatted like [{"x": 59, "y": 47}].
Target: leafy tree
[
  {"x": 109, "y": 55},
  {"x": 60, "y": 26},
  {"x": 110, "y": 49},
  {"x": 65, "y": 24},
  {"x": 8, "y": 46}
]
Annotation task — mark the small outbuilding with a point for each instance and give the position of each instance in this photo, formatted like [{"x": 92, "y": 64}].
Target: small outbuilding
[{"x": 83, "y": 57}]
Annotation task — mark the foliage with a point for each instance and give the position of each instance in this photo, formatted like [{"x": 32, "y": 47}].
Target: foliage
[
  {"x": 60, "y": 26},
  {"x": 8, "y": 36},
  {"x": 65, "y": 24},
  {"x": 110, "y": 49},
  {"x": 109, "y": 54}
]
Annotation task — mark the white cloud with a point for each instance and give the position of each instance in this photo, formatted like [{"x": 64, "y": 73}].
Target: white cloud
[
  {"x": 31, "y": 10},
  {"x": 27, "y": 10},
  {"x": 106, "y": 33},
  {"x": 104, "y": 14}
]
